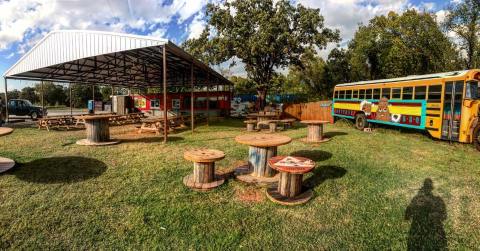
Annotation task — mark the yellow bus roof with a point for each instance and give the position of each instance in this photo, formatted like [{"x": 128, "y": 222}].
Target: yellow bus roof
[{"x": 409, "y": 78}]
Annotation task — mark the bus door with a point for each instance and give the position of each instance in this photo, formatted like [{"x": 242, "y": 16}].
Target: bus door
[{"x": 452, "y": 110}]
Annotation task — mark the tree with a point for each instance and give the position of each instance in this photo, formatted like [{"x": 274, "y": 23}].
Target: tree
[
  {"x": 338, "y": 69},
  {"x": 242, "y": 85},
  {"x": 28, "y": 93},
  {"x": 309, "y": 78},
  {"x": 400, "y": 45},
  {"x": 464, "y": 20},
  {"x": 263, "y": 35}
]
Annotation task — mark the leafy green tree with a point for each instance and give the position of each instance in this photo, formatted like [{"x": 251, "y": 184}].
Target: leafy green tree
[
  {"x": 242, "y": 85},
  {"x": 28, "y": 93},
  {"x": 265, "y": 35},
  {"x": 338, "y": 68},
  {"x": 309, "y": 78},
  {"x": 464, "y": 20},
  {"x": 400, "y": 45}
]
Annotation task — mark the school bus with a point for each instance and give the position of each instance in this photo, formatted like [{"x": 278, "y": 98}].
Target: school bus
[{"x": 446, "y": 105}]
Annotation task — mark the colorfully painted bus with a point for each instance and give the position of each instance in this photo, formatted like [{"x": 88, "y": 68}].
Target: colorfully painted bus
[{"x": 444, "y": 104}]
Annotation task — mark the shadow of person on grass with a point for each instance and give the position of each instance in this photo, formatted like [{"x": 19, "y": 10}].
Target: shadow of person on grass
[
  {"x": 323, "y": 173},
  {"x": 66, "y": 169},
  {"x": 315, "y": 155},
  {"x": 334, "y": 134},
  {"x": 427, "y": 213}
]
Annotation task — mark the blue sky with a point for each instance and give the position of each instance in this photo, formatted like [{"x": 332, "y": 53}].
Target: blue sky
[{"x": 25, "y": 22}]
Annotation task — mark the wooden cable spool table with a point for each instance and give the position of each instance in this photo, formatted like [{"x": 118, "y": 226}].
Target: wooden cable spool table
[
  {"x": 290, "y": 190},
  {"x": 203, "y": 177},
  {"x": 315, "y": 131},
  {"x": 261, "y": 148},
  {"x": 98, "y": 130},
  {"x": 6, "y": 163}
]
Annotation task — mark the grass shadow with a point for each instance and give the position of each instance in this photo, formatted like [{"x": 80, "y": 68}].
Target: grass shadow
[
  {"x": 323, "y": 173},
  {"x": 149, "y": 139},
  {"x": 66, "y": 169},
  {"x": 427, "y": 213},
  {"x": 334, "y": 134},
  {"x": 315, "y": 155}
]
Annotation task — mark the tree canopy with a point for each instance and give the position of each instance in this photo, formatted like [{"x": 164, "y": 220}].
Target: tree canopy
[
  {"x": 463, "y": 19},
  {"x": 265, "y": 35}
]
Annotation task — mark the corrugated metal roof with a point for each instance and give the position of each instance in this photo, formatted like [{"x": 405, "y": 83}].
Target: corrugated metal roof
[
  {"x": 413, "y": 77},
  {"x": 69, "y": 45}
]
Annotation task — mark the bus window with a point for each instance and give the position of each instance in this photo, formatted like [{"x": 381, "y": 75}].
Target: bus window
[
  {"x": 407, "y": 93},
  {"x": 369, "y": 94},
  {"x": 434, "y": 93},
  {"x": 396, "y": 93},
  {"x": 355, "y": 94},
  {"x": 376, "y": 93},
  {"x": 348, "y": 94},
  {"x": 362, "y": 94},
  {"x": 420, "y": 92},
  {"x": 472, "y": 91},
  {"x": 342, "y": 94},
  {"x": 386, "y": 93}
]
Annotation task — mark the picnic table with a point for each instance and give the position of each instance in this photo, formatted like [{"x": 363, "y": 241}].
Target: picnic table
[
  {"x": 203, "y": 177},
  {"x": 250, "y": 125},
  {"x": 290, "y": 190},
  {"x": 55, "y": 121},
  {"x": 6, "y": 163},
  {"x": 156, "y": 124},
  {"x": 98, "y": 130},
  {"x": 315, "y": 131},
  {"x": 261, "y": 148}
]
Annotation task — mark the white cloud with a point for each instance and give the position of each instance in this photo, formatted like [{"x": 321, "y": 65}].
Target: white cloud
[
  {"x": 196, "y": 26},
  {"x": 22, "y": 17},
  {"x": 158, "y": 33},
  {"x": 345, "y": 15}
]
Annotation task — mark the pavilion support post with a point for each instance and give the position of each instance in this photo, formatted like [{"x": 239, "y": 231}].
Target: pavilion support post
[
  {"x": 165, "y": 114},
  {"x": 6, "y": 100},
  {"x": 192, "y": 100},
  {"x": 70, "y": 91},
  {"x": 43, "y": 97},
  {"x": 111, "y": 106},
  {"x": 208, "y": 99}
]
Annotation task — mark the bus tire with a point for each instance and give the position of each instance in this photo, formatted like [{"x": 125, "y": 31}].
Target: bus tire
[
  {"x": 476, "y": 137},
  {"x": 360, "y": 121}
]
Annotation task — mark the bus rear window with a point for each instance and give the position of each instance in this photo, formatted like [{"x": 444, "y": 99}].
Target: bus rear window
[
  {"x": 396, "y": 93},
  {"x": 386, "y": 93},
  {"x": 420, "y": 92},
  {"x": 434, "y": 93},
  {"x": 407, "y": 93}
]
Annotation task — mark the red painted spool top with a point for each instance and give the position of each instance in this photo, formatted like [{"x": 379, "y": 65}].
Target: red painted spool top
[{"x": 296, "y": 165}]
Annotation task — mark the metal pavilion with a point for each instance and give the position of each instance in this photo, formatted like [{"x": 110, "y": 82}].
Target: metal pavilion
[{"x": 124, "y": 60}]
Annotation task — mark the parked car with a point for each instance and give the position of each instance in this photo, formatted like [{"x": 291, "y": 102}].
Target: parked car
[{"x": 23, "y": 107}]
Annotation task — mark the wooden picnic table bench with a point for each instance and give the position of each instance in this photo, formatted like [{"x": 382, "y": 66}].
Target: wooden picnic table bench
[
  {"x": 156, "y": 124},
  {"x": 55, "y": 121}
]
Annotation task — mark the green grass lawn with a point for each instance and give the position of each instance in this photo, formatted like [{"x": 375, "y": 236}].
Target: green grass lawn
[{"x": 131, "y": 196}]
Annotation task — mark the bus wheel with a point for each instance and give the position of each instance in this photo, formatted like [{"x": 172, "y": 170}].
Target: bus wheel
[
  {"x": 360, "y": 121},
  {"x": 476, "y": 137}
]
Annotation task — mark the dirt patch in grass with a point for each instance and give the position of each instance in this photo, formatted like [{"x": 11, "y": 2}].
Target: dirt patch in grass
[{"x": 249, "y": 194}]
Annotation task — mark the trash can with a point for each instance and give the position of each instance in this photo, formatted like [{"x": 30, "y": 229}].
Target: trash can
[{"x": 91, "y": 106}]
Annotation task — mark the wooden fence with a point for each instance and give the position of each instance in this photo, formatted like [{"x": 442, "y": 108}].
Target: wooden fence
[{"x": 321, "y": 110}]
